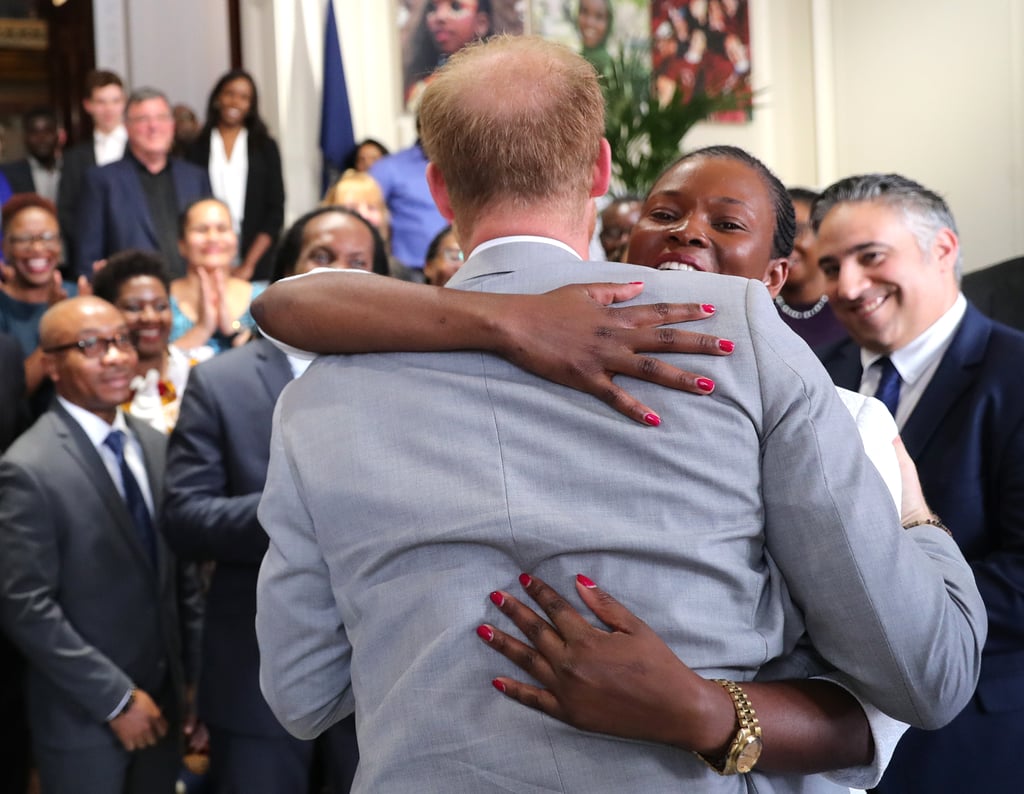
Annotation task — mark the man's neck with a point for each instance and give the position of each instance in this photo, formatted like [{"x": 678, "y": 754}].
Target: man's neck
[
  {"x": 501, "y": 223},
  {"x": 108, "y": 131},
  {"x": 152, "y": 163}
]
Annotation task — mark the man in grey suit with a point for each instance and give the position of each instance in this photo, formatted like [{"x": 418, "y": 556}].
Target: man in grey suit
[
  {"x": 106, "y": 619},
  {"x": 403, "y": 487}
]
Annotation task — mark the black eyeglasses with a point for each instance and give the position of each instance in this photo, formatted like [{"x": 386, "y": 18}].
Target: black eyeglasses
[
  {"x": 25, "y": 240},
  {"x": 96, "y": 346}
]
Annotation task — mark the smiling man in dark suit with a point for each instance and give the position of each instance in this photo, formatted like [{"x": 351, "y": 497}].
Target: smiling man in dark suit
[
  {"x": 136, "y": 201},
  {"x": 889, "y": 249},
  {"x": 106, "y": 619}
]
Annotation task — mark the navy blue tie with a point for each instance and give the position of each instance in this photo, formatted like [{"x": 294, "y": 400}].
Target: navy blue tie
[
  {"x": 133, "y": 498},
  {"x": 888, "y": 390}
]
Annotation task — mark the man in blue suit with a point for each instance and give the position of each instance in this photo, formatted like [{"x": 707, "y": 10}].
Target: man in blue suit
[
  {"x": 135, "y": 202},
  {"x": 889, "y": 249},
  {"x": 217, "y": 460}
]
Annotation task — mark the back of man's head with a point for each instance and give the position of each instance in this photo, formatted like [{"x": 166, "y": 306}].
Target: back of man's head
[{"x": 516, "y": 120}]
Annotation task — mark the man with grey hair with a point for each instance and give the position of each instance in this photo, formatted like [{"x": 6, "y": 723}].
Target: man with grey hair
[
  {"x": 889, "y": 249},
  {"x": 136, "y": 201}
]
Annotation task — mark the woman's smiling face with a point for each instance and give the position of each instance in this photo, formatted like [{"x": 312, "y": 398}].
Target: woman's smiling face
[{"x": 712, "y": 214}]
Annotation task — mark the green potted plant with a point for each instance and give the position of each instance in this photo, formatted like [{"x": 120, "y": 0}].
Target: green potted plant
[{"x": 646, "y": 135}]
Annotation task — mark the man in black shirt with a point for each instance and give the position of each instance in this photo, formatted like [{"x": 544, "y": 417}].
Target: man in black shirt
[{"x": 135, "y": 202}]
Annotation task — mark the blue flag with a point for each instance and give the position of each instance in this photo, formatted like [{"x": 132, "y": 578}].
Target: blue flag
[{"x": 336, "y": 137}]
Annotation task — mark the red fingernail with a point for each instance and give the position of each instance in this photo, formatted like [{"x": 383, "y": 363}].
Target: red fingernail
[
  {"x": 585, "y": 581},
  {"x": 636, "y": 282},
  {"x": 705, "y": 384},
  {"x": 652, "y": 419},
  {"x": 525, "y": 580},
  {"x": 485, "y": 633},
  {"x": 497, "y": 599},
  {"x": 709, "y": 308},
  {"x": 498, "y": 685},
  {"x": 726, "y": 346}
]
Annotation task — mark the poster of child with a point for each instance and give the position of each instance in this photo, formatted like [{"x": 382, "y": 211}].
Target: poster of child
[
  {"x": 702, "y": 46},
  {"x": 598, "y": 29},
  {"x": 432, "y": 30}
]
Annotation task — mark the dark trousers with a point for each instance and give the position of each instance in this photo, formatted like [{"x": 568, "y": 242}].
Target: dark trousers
[{"x": 242, "y": 764}]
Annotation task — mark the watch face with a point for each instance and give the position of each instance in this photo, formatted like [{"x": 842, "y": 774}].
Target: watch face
[{"x": 748, "y": 756}]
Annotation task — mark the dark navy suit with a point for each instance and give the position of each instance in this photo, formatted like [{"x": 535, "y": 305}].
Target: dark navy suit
[
  {"x": 216, "y": 467},
  {"x": 966, "y": 436},
  {"x": 113, "y": 212}
]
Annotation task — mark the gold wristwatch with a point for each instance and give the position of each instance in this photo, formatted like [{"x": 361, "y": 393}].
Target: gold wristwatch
[{"x": 745, "y": 750}]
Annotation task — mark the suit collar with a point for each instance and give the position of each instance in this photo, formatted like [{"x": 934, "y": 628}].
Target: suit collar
[
  {"x": 273, "y": 367},
  {"x": 80, "y": 448},
  {"x": 954, "y": 376},
  {"x": 510, "y": 254}
]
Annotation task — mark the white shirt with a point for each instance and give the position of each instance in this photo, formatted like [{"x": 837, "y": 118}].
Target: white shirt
[
  {"x": 97, "y": 430},
  {"x": 228, "y": 176},
  {"x": 109, "y": 146},
  {"x": 916, "y": 363}
]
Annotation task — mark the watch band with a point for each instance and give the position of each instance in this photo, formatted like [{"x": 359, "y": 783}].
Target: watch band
[{"x": 745, "y": 748}]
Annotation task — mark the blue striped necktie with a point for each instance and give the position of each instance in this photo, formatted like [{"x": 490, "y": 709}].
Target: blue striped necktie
[{"x": 133, "y": 497}]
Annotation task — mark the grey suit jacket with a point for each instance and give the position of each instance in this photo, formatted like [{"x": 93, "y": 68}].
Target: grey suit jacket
[
  {"x": 403, "y": 488},
  {"x": 78, "y": 595}
]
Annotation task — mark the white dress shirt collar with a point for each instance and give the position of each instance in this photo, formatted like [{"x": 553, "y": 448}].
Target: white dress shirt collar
[
  {"x": 522, "y": 238},
  {"x": 916, "y": 362}
]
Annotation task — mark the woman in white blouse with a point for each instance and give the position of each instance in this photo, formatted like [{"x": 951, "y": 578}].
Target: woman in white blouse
[{"x": 245, "y": 169}]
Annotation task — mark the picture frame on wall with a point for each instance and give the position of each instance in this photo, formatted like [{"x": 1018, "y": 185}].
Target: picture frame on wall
[
  {"x": 703, "y": 46},
  {"x": 600, "y": 30},
  {"x": 432, "y": 30}
]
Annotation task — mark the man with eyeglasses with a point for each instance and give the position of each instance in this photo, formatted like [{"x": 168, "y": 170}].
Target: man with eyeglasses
[
  {"x": 107, "y": 620},
  {"x": 135, "y": 202}
]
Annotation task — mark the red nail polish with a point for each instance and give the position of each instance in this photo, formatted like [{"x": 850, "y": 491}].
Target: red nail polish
[
  {"x": 485, "y": 633},
  {"x": 709, "y": 308},
  {"x": 726, "y": 346},
  {"x": 586, "y": 581},
  {"x": 636, "y": 282},
  {"x": 525, "y": 580},
  {"x": 497, "y": 599},
  {"x": 705, "y": 384},
  {"x": 498, "y": 685},
  {"x": 652, "y": 419}
]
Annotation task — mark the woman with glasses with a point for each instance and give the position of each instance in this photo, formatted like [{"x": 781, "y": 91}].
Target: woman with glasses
[{"x": 32, "y": 283}]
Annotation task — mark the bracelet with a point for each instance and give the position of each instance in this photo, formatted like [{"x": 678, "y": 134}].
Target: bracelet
[{"x": 934, "y": 521}]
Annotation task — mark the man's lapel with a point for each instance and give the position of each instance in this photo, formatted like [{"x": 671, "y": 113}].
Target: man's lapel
[{"x": 955, "y": 375}]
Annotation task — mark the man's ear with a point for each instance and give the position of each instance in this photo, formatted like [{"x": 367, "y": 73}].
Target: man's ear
[
  {"x": 946, "y": 248},
  {"x": 439, "y": 191},
  {"x": 775, "y": 276},
  {"x": 602, "y": 170}
]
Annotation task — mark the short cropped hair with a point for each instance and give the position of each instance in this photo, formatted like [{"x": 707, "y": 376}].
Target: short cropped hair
[
  {"x": 100, "y": 78},
  {"x": 925, "y": 212},
  {"x": 516, "y": 119},
  {"x": 290, "y": 245},
  {"x": 43, "y": 112},
  {"x": 124, "y": 266},
  {"x": 785, "y": 216},
  {"x": 23, "y": 201},
  {"x": 802, "y": 194},
  {"x": 144, "y": 94}
]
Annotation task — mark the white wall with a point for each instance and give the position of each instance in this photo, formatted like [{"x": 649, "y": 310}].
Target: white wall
[
  {"x": 933, "y": 89},
  {"x": 180, "y": 48}
]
